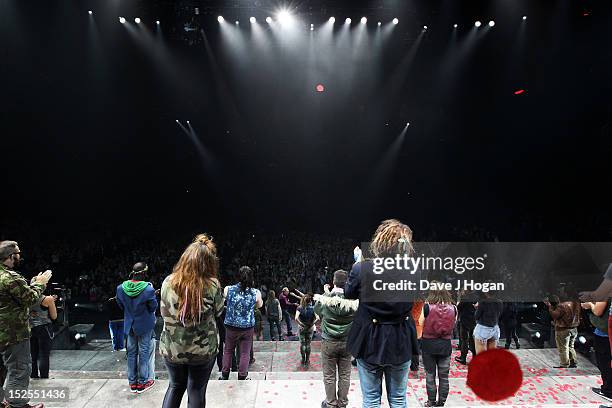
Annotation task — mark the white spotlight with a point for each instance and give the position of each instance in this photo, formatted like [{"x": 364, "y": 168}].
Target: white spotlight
[
  {"x": 582, "y": 339},
  {"x": 137, "y": 20},
  {"x": 177, "y": 121},
  {"x": 220, "y": 19},
  {"x": 456, "y": 25},
  {"x": 187, "y": 121},
  {"x": 252, "y": 20},
  {"x": 347, "y": 21},
  {"x": 332, "y": 20},
  {"x": 364, "y": 20},
  {"x": 237, "y": 22},
  {"x": 269, "y": 20},
  {"x": 524, "y": 17},
  {"x": 478, "y": 24},
  {"x": 311, "y": 28},
  {"x": 424, "y": 27},
  {"x": 122, "y": 20},
  {"x": 157, "y": 22},
  {"x": 379, "y": 23},
  {"x": 395, "y": 21},
  {"x": 284, "y": 17},
  {"x": 90, "y": 12},
  {"x": 491, "y": 23}
]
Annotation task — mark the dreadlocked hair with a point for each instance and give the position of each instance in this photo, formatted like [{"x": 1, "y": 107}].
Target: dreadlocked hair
[
  {"x": 391, "y": 238},
  {"x": 192, "y": 275}
]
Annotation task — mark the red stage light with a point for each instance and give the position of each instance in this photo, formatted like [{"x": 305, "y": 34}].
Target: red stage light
[
  {"x": 320, "y": 88},
  {"x": 520, "y": 91}
]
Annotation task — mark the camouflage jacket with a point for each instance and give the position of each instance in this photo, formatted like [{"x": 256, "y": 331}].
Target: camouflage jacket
[
  {"x": 16, "y": 297},
  {"x": 190, "y": 344}
]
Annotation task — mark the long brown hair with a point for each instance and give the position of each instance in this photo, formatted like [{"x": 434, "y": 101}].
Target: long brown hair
[
  {"x": 192, "y": 274},
  {"x": 439, "y": 296},
  {"x": 305, "y": 300},
  {"x": 391, "y": 238}
]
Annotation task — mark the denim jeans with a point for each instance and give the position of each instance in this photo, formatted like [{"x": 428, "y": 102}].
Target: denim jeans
[
  {"x": 117, "y": 334},
  {"x": 396, "y": 382},
  {"x": 138, "y": 357},
  {"x": 274, "y": 322},
  {"x": 440, "y": 366},
  {"x": 193, "y": 378},
  {"x": 486, "y": 333},
  {"x": 287, "y": 318}
]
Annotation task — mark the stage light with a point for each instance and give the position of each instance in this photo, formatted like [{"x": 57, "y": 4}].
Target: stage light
[
  {"x": 157, "y": 22},
  {"x": 237, "y": 22},
  {"x": 395, "y": 21},
  {"x": 364, "y": 20},
  {"x": 582, "y": 339},
  {"x": 137, "y": 20},
  {"x": 284, "y": 17},
  {"x": 122, "y": 20},
  {"x": 90, "y": 12},
  {"x": 220, "y": 19},
  {"x": 407, "y": 124},
  {"x": 320, "y": 88},
  {"x": 379, "y": 23},
  {"x": 491, "y": 23},
  {"x": 187, "y": 121},
  {"x": 312, "y": 27},
  {"x": 478, "y": 24},
  {"x": 252, "y": 20},
  {"x": 537, "y": 335},
  {"x": 347, "y": 21},
  {"x": 269, "y": 20},
  {"x": 177, "y": 121},
  {"x": 424, "y": 27},
  {"x": 456, "y": 25},
  {"x": 524, "y": 17},
  {"x": 332, "y": 20}
]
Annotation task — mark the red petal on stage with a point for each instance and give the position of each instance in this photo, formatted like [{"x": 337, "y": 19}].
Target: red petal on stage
[
  {"x": 494, "y": 375},
  {"x": 520, "y": 91}
]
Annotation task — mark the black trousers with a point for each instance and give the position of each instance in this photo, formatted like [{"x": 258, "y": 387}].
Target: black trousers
[
  {"x": 510, "y": 331},
  {"x": 193, "y": 379},
  {"x": 41, "y": 342},
  {"x": 602, "y": 355},
  {"x": 466, "y": 336}
]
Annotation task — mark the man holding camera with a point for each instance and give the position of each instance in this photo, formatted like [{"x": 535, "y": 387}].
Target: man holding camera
[{"x": 16, "y": 298}]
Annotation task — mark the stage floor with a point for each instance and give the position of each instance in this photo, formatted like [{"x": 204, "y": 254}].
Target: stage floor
[{"x": 97, "y": 379}]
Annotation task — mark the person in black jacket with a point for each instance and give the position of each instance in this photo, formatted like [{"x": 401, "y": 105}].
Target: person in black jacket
[
  {"x": 509, "y": 322},
  {"x": 382, "y": 337},
  {"x": 467, "y": 323}
]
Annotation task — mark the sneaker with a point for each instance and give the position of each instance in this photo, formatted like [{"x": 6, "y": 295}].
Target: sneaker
[
  {"x": 599, "y": 392},
  {"x": 561, "y": 367},
  {"x": 146, "y": 386},
  {"x": 354, "y": 362},
  {"x": 289, "y": 334},
  {"x": 273, "y": 338},
  {"x": 252, "y": 361},
  {"x": 430, "y": 403},
  {"x": 440, "y": 403},
  {"x": 134, "y": 388}
]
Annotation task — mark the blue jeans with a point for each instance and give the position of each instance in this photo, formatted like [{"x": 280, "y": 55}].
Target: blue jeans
[
  {"x": 117, "y": 335},
  {"x": 138, "y": 357},
  {"x": 396, "y": 381},
  {"x": 151, "y": 375},
  {"x": 287, "y": 318}
]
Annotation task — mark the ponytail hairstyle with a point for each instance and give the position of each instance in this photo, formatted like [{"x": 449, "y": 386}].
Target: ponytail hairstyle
[
  {"x": 192, "y": 275},
  {"x": 246, "y": 278}
]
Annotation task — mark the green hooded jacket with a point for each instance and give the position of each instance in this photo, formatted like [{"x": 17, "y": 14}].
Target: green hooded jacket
[
  {"x": 133, "y": 288},
  {"x": 336, "y": 315}
]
